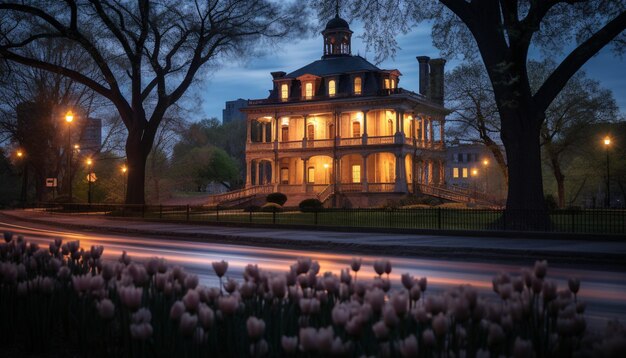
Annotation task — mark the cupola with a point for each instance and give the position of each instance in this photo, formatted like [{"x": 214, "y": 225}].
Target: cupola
[{"x": 337, "y": 37}]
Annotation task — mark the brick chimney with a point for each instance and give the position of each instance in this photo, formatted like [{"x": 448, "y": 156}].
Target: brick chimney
[
  {"x": 424, "y": 74},
  {"x": 436, "y": 80}
]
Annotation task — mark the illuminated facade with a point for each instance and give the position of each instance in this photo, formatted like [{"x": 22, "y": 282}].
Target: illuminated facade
[{"x": 340, "y": 126}]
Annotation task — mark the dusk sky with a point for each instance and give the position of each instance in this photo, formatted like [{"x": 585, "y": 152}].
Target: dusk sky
[{"x": 252, "y": 80}]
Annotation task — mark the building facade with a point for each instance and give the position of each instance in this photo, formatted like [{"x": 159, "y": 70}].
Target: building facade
[
  {"x": 472, "y": 166},
  {"x": 341, "y": 125},
  {"x": 232, "y": 111}
]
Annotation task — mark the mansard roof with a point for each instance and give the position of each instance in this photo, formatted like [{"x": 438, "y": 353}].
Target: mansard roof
[{"x": 334, "y": 66}]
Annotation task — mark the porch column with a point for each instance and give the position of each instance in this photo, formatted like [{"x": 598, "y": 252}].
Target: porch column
[
  {"x": 401, "y": 186},
  {"x": 364, "y": 127},
  {"x": 305, "y": 162},
  {"x": 442, "y": 173},
  {"x": 248, "y": 173},
  {"x": 423, "y": 166},
  {"x": 257, "y": 175},
  {"x": 249, "y": 134},
  {"x": 441, "y": 132},
  {"x": 430, "y": 173},
  {"x": 304, "y": 130},
  {"x": 431, "y": 133},
  {"x": 364, "y": 175},
  {"x": 423, "y": 128}
]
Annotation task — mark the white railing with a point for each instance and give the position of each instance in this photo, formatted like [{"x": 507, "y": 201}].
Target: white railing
[
  {"x": 380, "y": 140},
  {"x": 297, "y": 144},
  {"x": 351, "y": 141},
  {"x": 239, "y": 194},
  {"x": 320, "y": 143},
  {"x": 260, "y": 146},
  {"x": 323, "y": 195}
]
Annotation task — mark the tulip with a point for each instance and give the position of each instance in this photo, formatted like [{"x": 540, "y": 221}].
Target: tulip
[
  {"x": 220, "y": 268},
  {"x": 574, "y": 285},
  {"x": 289, "y": 344},
  {"x": 408, "y": 346},
  {"x": 379, "y": 267},
  {"x": 255, "y": 327},
  {"x": 199, "y": 336},
  {"x": 345, "y": 276},
  {"x": 440, "y": 325},
  {"x": 188, "y": 323},
  {"x": 541, "y": 268},
  {"x": 495, "y": 336},
  {"x": 177, "y": 310},
  {"x": 191, "y": 300},
  {"x": 407, "y": 281},
  {"x": 376, "y": 298},
  {"x": 340, "y": 315},
  {"x": 389, "y": 316},
  {"x": 228, "y": 304},
  {"x": 191, "y": 282},
  {"x": 400, "y": 303},
  {"x": 308, "y": 339},
  {"x": 206, "y": 316},
  {"x": 422, "y": 283},
  {"x": 428, "y": 337},
  {"x": 325, "y": 339},
  {"x": 522, "y": 348},
  {"x": 105, "y": 308},
  {"x": 380, "y": 330},
  {"x": 230, "y": 286},
  {"x": 303, "y": 265}
]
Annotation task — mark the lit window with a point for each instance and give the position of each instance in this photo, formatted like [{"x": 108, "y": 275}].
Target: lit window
[
  {"x": 386, "y": 83},
  {"x": 285, "y": 133},
  {"x": 311, "y": 175},
  {"x": 455, "y": 172},
  {"x": 308, "y": 92},
  {"x": 284, "y": 175},
  {"x": 356, "y": 173},
  {"x": 357, "y": 85},
  {"x": 464, "y": 172},
  {"x": 284, "y": 92},
  {"x": 331, "y": 88},
  {"x": 310, "y": 132},
  {"x": 356, "y": 129},
  {"x": 393, "y": 83}
]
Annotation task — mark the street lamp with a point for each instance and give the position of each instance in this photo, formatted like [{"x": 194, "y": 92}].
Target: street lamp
[
  {"x": 69, "y": 117},
  {"x": 124, "y": 170},
  {"x": 20, "y": 157},
  {"x": 486, "y": 164},
  {"x": 607, "y": 144},
  {"x": 474, "y": 175},
  {"x": 89, "y": 178}
]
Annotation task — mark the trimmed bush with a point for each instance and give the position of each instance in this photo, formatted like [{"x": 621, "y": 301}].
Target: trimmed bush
[
  {"x": 271, "y": 208},
  {"x": 278, "y": 198},
  {"x": 310, "y": 205}
]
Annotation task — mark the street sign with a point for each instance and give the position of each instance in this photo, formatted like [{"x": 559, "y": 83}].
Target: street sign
[
  {"x": 91, "y": 177},
  {"x": 51, "y": 182}
]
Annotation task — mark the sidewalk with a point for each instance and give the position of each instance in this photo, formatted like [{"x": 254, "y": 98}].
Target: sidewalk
[{"x": 592, "y": 251}]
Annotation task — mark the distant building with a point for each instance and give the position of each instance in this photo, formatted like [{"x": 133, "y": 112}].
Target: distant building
[
  {"x": 232, "y": 111},
  {"x": 91, "y": 136},
  {"x": 472, "y": 166}
]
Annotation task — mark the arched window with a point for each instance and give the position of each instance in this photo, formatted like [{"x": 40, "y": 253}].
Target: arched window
[
  {"x": 331, "y": 88},
  {"x": 310, "y": 129},
  {"x": 284, "y": 92},
  {"x": 357, "y": 85},
  {"x": 386, "y": 83},
  {"x": 308, "y": 92},
  {"x": 393, "y": 83},
  {"x": 356, "y": 129}
]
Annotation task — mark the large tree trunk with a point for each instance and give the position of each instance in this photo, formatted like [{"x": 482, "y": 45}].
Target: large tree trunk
[
  {"x": 136, "y": 169},
  {"x": 525, "y": 206}
]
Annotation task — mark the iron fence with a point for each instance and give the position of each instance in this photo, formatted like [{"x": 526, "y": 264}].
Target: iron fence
[{"x": 563, "y": 221}]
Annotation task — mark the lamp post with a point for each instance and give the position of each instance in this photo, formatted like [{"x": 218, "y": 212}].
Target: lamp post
[
  {"x": 89, "y": 179},
  {"x": 475, "y": 176},
  {"x": 20, "y": 158},
  {"x": 607, "y": 143},
  {"x": 69, "y": 117},
  {"x": 486, "y": 164},
  {"x": 124, "y": 170}
]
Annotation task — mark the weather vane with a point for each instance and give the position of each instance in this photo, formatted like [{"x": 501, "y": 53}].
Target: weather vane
[{"x": 337, "y": 8}]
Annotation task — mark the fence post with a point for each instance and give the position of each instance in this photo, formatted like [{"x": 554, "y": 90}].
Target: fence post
[
  {"x": 273, "y": 216},
  {"x": 439, "y": 218},
  {"x": 143, "y": 210},
  {"x": 217, "y": 213},
  {"x": 315, "y": 212},
  {"x": 187, "y": 212},
  {"x": 573, "y": 221},
  {"x": 160, "y": 211},
  {"x": 250, "y": 215}
]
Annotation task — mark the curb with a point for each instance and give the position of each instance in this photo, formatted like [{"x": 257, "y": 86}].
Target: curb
[{"x": 425, "y": 252}]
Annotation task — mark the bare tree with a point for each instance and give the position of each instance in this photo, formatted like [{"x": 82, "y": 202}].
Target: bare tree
[
  {"x": 147, "y": 52},
  {"x": 475, "y": 114},
  {"x": 502, "y": 33}
]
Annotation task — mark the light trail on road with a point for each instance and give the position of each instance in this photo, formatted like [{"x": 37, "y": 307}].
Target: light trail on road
[{"x": 603, "y": 290}]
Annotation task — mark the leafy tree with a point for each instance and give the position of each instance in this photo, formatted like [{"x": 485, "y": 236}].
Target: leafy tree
[
  {"x": 147, "y": 53},
  {"x": 203, "y": 165},
  {"x": 503, "y": 33}
]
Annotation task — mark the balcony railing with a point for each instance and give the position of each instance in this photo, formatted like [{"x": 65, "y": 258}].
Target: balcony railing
[
  {"x": 351, "y": 187},
  {"x": 380, "y": 93},
  {"x": 260, "y": 146},
  {"x": 296, "y": 144},
  {"x": 351, "y": 141},
  {"x": 320, "y": 143},
  {"x": 381, "y": 140},
  {"x": 356, "y": 141},
  {"x": 381, "y": 187}
]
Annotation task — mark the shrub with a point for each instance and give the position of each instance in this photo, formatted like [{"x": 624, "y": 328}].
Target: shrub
[
  {"x": 271, "y": 208},
  {"x": 252, "y": 208},
  {"x": 310, "y": 205},
  {"x": 551, "y": 203},
  {"x": 278, "y": 198}
]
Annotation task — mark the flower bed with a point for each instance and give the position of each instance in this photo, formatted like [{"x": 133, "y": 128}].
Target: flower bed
[{"x": 67, "y": 300}]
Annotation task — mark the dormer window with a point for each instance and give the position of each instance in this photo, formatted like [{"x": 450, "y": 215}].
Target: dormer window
[
  {"x": 284, "y": 92},
  {"x": 393, "y": 83},
  {"x": 308, "y": 92},
  {"x": 332, "y": 88},
  {"x": 387, "y": 84},
  {"x": 357, "y": 85}
]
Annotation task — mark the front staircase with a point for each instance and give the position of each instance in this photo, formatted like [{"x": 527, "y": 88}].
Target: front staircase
[{"x": 237, "y": 198}]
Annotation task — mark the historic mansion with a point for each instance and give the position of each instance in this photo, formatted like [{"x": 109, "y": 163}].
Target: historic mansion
[{"x": 342, "y": 128}]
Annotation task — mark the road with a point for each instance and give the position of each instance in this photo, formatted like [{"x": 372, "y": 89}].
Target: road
[{"x": 604, "y": 290}]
